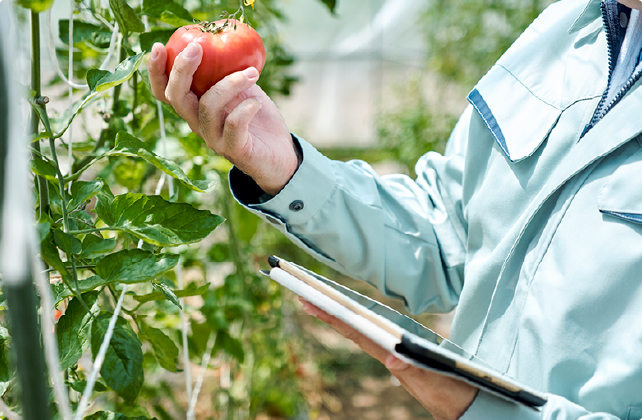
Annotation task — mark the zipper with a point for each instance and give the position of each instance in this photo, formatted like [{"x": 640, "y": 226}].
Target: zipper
[{"x": 613, "y": 44}]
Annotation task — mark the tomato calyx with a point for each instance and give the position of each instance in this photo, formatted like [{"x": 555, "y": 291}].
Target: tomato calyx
[{"x": 211, "y": 27}]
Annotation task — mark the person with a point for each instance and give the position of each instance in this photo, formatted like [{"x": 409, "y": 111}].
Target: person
[{"x": 530, "y": 223}]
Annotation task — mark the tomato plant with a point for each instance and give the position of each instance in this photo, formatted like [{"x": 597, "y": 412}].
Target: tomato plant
[
  {"x": 228, "y": 46},
  {"x": 123, "y": 215}
]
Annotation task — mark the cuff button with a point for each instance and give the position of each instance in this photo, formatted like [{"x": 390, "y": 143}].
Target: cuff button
[{"x": 296, "y": 205}]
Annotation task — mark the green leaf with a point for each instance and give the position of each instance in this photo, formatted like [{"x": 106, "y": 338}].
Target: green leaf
[
  {"x": 246, "y": 225},
  {"x": 82, "y": 191},
  {"x": 220, "y": 252},
  {"x": 332, "y": 4},
  {"x": 164, "y": 348},
  {"x": 94, "y": 76},
  {"x": 68, "y": 243},
  {"x": 84, "y": 32},
  {"x": 190, "y": 290},
  {"x": 148, "y": 39},
  {"x": 135, "y": 265},
  {"x": 101, "y": 80},
  {"x": 155, "y": 8},
  {"x": 168, "y": 293},
  {"x": 105, "y": 198},
  {"x": 172, "y": 19},
  {"x": 80, "y": 220},
  {"x": 35, "y": 5},
  {"x": 50, "y": 255},
  {"x": 133, "y": 410},
  {"x": 157, "y": 221},
  {"x": 95, "y": 246},
  {"x": 231, "y": 345},
  {"x": 129, "y": 172},
  {"x": 128, "y": 20},
  {"x": 122, "y": 369},
  {"x": 199, "y": 338},
  {"x": 6, "y": 371},
  {"x": 43, "y": 168},
  {"x": 128, "y": 145},
  {"x": 43, "y": 135},
  {"x": 73, "y": 329},
  {"x": 43, "y": 230},
  {"x": 79, "y": 386},
  {"x": 108, "y": 415},
  {"x": 60, "y": 290}
]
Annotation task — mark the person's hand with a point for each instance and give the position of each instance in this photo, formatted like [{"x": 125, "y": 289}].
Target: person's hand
[
  {"x": 235, "y": 117},
  {"x": 444, "y": 397}
]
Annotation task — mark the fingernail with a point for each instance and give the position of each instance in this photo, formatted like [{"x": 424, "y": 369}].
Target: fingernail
[
  {"x": 309, "y": 309},
  {"x": 155, "y": 52},
  {"x": 190, "y": 51},
  {"x": 393, "y": 363},
  {"x": 251, "y": 73}
]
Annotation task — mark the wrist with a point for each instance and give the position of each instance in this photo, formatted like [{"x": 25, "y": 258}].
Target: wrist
[{"x": 273, "y": 185}]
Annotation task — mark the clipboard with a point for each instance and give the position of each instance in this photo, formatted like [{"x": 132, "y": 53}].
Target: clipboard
[{"x": 401, "y": 335}]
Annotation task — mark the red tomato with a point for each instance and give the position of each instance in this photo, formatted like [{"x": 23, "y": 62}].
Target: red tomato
[{"x": 225, "y": 50}]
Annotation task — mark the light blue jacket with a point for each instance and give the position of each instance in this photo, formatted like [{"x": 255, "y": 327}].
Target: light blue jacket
[{"x": 533, "y": 230}]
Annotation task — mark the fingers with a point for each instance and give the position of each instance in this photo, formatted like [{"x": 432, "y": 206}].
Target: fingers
[
  {"x": 178, "y": 91},
  {"x": 156, "y": 70},
  {"x": 220, "y": 99},
  {"x": 366, "y": 344},
  {"x": 236, "y": 124},
  {"x": 444, "y": 397},
  {"x": 395, "y": 365}
]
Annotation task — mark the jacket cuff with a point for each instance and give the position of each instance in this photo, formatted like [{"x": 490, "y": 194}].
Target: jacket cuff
[{"x": 307, "y": 191}]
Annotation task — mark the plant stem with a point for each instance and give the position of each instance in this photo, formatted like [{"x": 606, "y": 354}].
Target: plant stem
[
  {"x": 81, "y": 166},
  {"x": 82, "y": 231},
  {"x": 35, "y": 120},
  {"x": 116, "y": 297},
  {"x": 77, "y": 294},
  {"x": 122, "y": 54},
  {"x": 36, "y": 86},
  {"x": 61, "y": 183},
  {"x": 80, "y": 267},
  {"x": 135, "y": 102},
  {"x": 63, "y": 199}
]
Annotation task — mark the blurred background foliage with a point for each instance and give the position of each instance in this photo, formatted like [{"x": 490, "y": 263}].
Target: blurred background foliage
[
  {"x": 464, "y": 39},
  {"x": 269, "y": 360}
]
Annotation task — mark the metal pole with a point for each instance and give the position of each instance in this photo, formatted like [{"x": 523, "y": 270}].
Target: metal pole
[{"x": 15, "y": 234}]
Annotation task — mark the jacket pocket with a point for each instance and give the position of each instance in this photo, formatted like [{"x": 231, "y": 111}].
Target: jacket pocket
[
  {"x": 518, "y": 119},
  {"x": 621, "y": 195}
]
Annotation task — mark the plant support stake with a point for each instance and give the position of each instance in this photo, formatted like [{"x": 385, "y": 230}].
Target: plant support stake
[{"x": 16, "y": 222}]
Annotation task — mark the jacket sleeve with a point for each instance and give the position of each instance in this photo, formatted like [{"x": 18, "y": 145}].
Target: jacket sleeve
[
  {"x": 489, "y": 407},
  {"x": 406, "y": 237}
]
